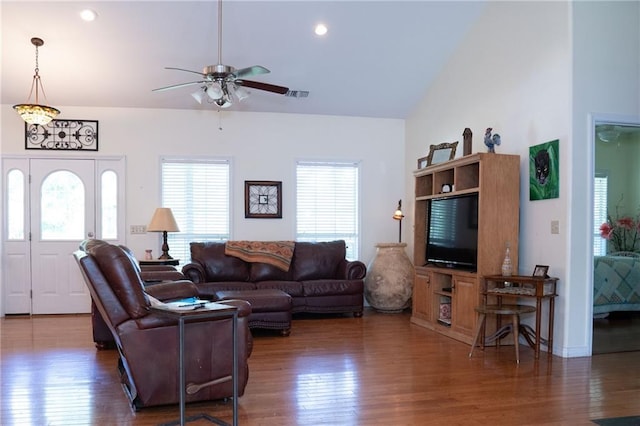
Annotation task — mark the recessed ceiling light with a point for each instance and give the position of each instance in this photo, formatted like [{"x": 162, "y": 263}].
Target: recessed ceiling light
[
  {"x": 321, "y": 29},
  {"x": 88, "y": 15}
]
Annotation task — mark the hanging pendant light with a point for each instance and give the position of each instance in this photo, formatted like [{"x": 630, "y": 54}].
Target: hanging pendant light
[{"x": 36, "y": 113}]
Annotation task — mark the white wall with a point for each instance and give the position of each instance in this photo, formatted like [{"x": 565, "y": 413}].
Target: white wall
[
  {"x": 261, "y": 146},
  {"x": 606, "y": 82},
  {"x": 511, "y": 73},
  {"x": 537, "y": 71}
]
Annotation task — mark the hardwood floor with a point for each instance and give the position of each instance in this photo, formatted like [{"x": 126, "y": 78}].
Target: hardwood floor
[
  {"x": 374, "y": 370},
  {"x": 617, "y": 332}
]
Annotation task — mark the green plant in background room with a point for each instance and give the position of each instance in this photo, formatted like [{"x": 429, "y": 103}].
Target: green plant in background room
[{"x": 622, "y": 233}]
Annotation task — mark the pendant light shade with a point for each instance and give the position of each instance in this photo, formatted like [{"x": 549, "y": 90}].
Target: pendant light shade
[{"x": 36, "y": 113}]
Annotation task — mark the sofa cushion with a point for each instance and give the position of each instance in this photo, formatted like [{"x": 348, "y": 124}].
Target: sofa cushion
[
  {"x": 217, "y": 265},
  {"x": 208, "y": 290},
  {"x": 332, "y": 287},
  {"x": 123, "y": 278},
  {"x": 315, "y": 261},
  {"x": 294, "y": 288},
  {"x": 265, "y": 272}
]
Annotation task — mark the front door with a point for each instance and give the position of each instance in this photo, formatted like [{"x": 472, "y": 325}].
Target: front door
[
  {"x": 50, "y": 206},
  {"x": 62, "y": 215}
]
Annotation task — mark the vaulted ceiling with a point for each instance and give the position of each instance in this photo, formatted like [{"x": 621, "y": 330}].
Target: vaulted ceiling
[{"x": 377, "y": 59}]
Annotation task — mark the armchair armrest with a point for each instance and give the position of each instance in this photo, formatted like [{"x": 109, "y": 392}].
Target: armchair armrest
[
  {"x": 194, "y": 272},
  {"x": 146, "y": 268},
  {"x": 161, "y": 275},
  {"x": 352, "y": 270},
  {"x": 244, "y": 307},
  {"x": 165, "y": 291}
]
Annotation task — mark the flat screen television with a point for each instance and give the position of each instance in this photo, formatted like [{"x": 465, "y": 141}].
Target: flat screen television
[{"x": 452, "y": 232}]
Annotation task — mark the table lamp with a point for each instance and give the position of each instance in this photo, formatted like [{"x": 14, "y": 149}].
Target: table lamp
[
  {"x": 163, "y": 221},
  {"x": 397, "y": 215}
]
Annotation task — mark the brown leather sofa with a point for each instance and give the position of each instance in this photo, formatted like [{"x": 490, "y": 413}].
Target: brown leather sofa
[
  {"x": 319, "y": 280},
  {"x": 148, "y": 342}
]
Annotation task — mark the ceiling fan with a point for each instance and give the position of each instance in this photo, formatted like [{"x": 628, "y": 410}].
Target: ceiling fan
[{"x": 223, "y": 83}]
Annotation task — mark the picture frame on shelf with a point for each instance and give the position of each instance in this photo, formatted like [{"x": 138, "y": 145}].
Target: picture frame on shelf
[
  {"x": 262, "y": 199},
  {"x": 541, "y": 271},
  {"x": 422, "y": 162},
  {"x": 441, "y": 153}
]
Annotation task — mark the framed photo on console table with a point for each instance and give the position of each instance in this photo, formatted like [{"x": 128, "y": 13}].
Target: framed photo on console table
[
  {"x": 262, "y": 199},
  {"x": 541, "y": 271}
]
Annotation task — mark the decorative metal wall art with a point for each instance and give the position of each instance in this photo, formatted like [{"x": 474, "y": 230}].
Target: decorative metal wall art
[
  {"x": 263, "y": 199},
  {"x": 62, "y": 135}
]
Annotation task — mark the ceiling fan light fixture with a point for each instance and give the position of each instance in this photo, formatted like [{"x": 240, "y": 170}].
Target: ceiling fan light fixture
[
  {"x": 226, "y": 100},
  {"x": 608, "y": 135},
  {"x": 241, "y": 93},
  {"x": 36, "y": 113},
  {"x": 225, "y": 84},
  {"x": 223, "y": 102},
  {"x": 214, "y": 91},
  {"x": 198, "y": 95}
]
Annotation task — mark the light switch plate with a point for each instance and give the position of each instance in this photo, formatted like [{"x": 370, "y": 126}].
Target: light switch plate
[
  {"x": 138, "y": 229},
  {"x": 555, "y": 226}
]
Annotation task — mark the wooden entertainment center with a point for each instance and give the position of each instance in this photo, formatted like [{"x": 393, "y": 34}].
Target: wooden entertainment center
[{"x": 444, "y": 298}]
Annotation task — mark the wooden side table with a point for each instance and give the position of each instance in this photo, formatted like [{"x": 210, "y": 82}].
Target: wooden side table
[
  {"x": 514, "y": 311},
  {"x": 515, "y": 286},
  {"x": 217, "y": 310}
]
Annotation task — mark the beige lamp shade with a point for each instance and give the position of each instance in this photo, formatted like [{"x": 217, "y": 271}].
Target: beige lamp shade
[{"x": 163, "y": 220}]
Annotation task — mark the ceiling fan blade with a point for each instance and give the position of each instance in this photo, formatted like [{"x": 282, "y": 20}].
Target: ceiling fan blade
[
  {"x": 175, "y": 86},
  {"x": 182, "y": 69},
  {"x": 249, "y": 71},
  {"x": 263, "y": 86}
]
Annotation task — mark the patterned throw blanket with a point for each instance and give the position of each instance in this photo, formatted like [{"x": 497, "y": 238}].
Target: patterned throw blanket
[{"x": 276, "y": 253}]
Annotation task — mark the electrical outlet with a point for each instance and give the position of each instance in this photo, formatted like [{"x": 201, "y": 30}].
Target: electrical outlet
[
  {"x": 555, "y": 226},
  {"x": 138, "y": 229}
]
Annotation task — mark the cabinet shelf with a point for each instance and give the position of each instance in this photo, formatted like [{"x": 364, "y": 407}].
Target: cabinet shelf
[{"x": 496, "y": 180}]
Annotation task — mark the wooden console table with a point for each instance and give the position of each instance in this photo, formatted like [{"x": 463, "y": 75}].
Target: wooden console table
[{"x": 516, "y": 286}]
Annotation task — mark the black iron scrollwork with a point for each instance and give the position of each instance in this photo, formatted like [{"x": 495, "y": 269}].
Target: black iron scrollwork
[{"x": 78, "y": 135}]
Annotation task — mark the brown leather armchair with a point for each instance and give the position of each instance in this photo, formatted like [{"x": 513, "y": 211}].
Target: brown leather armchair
[
  {"x": 148, "y": 342},
  {"x": 151, "y": 275}
]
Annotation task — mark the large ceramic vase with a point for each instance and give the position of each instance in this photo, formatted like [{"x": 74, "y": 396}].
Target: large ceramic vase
[{"x": 388, "y": 285}]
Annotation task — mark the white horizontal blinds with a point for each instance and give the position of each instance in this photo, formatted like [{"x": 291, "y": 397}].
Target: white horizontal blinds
[
  {"x": 600, "y": 189},
  {"x": 198, "y": 193},
  {"x": 442, "y": 216},
  {"x": 327, "y": 203}
]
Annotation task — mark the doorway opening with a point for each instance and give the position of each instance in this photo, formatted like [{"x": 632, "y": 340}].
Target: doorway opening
[{"x": 616, "y": 236}]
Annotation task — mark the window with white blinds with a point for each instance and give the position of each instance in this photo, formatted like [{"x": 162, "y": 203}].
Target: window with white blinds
[
  {"x": 600, "y": 188},
  {"x": 198, "y": 193},
  {"x": 327, "y": 203}
]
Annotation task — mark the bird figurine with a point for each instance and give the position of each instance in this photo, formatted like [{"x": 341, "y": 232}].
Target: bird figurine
[{"x": 491, "y": 141}]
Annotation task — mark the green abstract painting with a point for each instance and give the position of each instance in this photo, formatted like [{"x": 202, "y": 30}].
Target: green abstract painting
[{"x": 544, "y": 173}]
